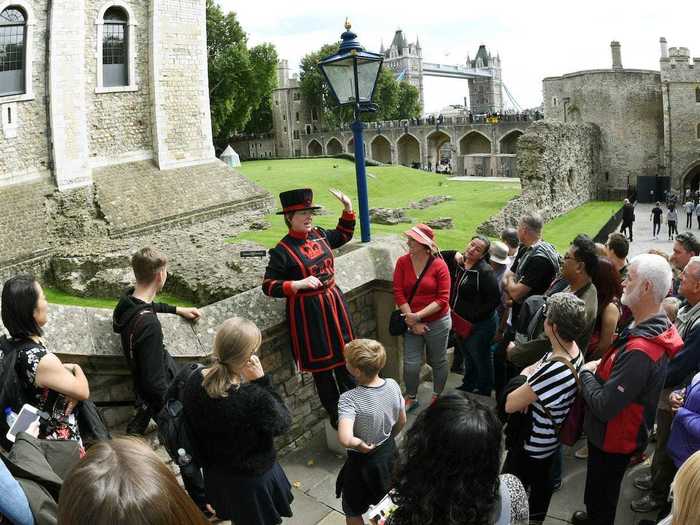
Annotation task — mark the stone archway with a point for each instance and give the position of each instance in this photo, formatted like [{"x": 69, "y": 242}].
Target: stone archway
[
  {"x": 691, "y": 179},
  {"x": 408, "y": 149},
  {"x": 436, "y": 140},
  {"x": 334, "y": 147},
  {"x": 381, "y": 149},
  {"x": 474, "y": 143},
  {"x": 351, "y": 146},
  {"x": 314, "y": 149},
  {"x": 509, "y": 142}
]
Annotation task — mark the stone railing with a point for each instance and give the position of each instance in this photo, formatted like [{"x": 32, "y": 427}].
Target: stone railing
[{"x": 363, "y": 272}]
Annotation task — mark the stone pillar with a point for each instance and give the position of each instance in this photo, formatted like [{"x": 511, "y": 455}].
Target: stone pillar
[
  {"x": 616, "y": 55},
  {"x": 179, "y": 83},
  {"x": 383, "y": 306},
  {"x": 67, "y": 97}
]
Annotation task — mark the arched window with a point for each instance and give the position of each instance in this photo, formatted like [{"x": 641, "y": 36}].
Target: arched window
[
  {"x": 116, "y": 69},
  {"x": 13, "y": 35},
  {"x": 115, "y": 38}
]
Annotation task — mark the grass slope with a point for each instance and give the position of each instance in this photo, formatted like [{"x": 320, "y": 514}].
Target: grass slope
[
  {"x": 53, "y": 295},
  {"x": 391, "y": 187},
  {"x": 588, "y": 218}
]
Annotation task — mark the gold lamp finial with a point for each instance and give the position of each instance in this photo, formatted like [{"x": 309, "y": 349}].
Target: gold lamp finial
[{"x": 348, "y": 25}]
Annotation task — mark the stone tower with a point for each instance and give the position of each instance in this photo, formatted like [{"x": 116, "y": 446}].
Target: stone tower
[
  {"x": 405, "y": 60},
  {"x": 680, "y": 89},
  {"x": 485, "y": 94}
]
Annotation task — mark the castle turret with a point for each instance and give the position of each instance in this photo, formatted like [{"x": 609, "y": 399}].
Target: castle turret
[
  {"x": 664, "y": 47},
  {"x": 615, "y": 49}
]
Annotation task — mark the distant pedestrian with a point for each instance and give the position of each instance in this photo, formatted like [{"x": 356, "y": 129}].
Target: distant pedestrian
[
  {"x": 697, "y": 213},
  {"x": 627, "y": 218},
  {"x": 672, "y": 219},
  {"x": 651, "y": 196},
  {"x": 656, "y": 214},
  {"x": 689, "y": 208}
]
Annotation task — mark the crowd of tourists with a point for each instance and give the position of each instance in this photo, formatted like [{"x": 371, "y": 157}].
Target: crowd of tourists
[{"x": 586, "y": 343}]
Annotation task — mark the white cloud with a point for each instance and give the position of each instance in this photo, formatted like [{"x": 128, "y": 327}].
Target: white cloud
[{"x": 534, "y": 39}]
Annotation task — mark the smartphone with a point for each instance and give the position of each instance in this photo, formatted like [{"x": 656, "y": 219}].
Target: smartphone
[{"x": 26, "y": 417}]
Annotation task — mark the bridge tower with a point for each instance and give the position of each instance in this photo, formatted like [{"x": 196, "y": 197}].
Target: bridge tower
[
  {"x": 405, "y": 59},
  {"x": 485, "y": 94}
]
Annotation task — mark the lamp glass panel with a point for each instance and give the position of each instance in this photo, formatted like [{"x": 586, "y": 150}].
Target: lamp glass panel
[
  {"x": 342, "y": 80},
  {"x": 367, "y": 77}
]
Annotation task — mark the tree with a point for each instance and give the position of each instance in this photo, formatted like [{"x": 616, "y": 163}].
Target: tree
[
  {"x": 408, "y": 102},
  {"x": 263, "y": 60},
  {"x": 240, "y": 80},
  {"x": 395, "y": 100}
]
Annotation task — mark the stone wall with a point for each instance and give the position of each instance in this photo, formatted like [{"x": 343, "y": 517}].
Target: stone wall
[
  {"x": 84, "y": 336},
  {"x": 626, "y": 104},
  {"x": 179, "y": 83},
  {"x": 680, "y": 75},
  {"x": 24, "y": 146},
  {"x": 558, "y": 165},
  {"x": 119, "y": 123}
]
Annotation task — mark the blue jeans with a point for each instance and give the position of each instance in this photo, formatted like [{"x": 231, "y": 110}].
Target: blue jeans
[
  {"x": 13, "y": 503},
  {"x": 478, "y": 358}
]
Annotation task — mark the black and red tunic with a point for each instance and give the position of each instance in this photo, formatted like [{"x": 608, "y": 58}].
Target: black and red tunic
[{"x": 319, "y": 321}]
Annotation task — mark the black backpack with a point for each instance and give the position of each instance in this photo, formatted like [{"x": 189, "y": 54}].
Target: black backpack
[
  {"x": 13, "y": 393},
  {"x": 174, "y": 431}
]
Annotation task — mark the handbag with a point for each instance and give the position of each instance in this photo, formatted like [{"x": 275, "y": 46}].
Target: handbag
[
  {"x": 571, "y": 428},
  {"x": 397, "y": 323},
  {"x": 460, "y": 325}
]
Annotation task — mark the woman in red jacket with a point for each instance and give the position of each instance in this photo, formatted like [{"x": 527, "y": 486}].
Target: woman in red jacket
[{"x": 427, "y": 313}]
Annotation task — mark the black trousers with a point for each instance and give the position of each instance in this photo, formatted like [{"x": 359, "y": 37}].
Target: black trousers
[
  {"x": 329, "y": 385},
  {"x": 603, "y": 480},
  {"x": 657, "y": 228},
  {"x": 536, "y": 477},
  {"x": 689, "y": 220},
  {"x": 663, "y": 469}
]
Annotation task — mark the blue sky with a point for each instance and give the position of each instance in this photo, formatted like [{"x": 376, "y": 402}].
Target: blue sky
[{"x": 534, "y": 38}]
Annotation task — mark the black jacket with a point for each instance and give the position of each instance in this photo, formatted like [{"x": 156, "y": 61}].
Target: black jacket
[
  {"x": 474, "y": 294},
  {"x": 628, "y": 213},
  {"x": 236, "y": 432},
  {"x": 142, "y": 343}
]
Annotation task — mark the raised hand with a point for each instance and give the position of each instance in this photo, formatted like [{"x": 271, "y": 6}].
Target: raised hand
[{"x": 344, "y": 199}]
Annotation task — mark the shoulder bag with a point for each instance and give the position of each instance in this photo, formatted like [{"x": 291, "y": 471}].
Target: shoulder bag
[
  {"x": 397, "y": 323},
  {"x": 571, "y": 428}
]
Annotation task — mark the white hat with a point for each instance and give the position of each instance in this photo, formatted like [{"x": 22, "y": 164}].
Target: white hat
[{"x": 499, "y": 252}]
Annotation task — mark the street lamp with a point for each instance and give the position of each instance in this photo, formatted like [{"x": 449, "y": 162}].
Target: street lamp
[{"x": 352, "y": 75}]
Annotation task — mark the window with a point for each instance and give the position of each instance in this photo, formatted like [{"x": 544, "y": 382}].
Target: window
[
  {"x": 116, "y": 49},
  {"x": 296, "y": 96},
  {"x": 308, "y": 129},
  {"x": 314, "y": 114},
  {"x": 697, "y": 94},
  {"x": 13, "y": 35},
  {"x": 284, "y": 117},
  {"x": 297, "y": 116},
  {"x": 697, "y": 132},
  {"x": 296, "y": 134},
  {"x": 555, "y": 101}
]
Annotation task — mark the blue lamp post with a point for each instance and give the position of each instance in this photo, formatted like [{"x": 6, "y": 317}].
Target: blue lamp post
[{"x": 352, "y": 76}]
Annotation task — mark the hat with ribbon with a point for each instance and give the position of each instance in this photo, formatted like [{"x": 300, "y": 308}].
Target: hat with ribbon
[
  {"x": 422, "y": 234},
  {"x": 297, "y": 200}
]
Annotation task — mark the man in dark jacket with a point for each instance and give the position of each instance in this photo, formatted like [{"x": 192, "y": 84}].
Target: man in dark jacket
[
  {"x": 135, "y": 319},
  {"x": 622, "y": 390},
  {"x": 680, "y": 369},
  {"x": 627, "y": 218}
]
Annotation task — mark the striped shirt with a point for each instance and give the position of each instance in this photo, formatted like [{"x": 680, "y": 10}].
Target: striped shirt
[
  {"x": 374, "y": 410},
  {"x": 555, "y": 387}
]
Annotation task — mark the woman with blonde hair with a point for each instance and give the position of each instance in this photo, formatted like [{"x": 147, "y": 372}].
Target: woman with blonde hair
[
  {"x": 686, "y": 494},
  {"x": 123, "y": 481},
  {"x": 234, "y": 414}
]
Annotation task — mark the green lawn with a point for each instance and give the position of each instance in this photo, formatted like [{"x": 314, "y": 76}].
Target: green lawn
[
  {"x": 56, "y": 296},
  {"x": 391, "y": 187},
  {"x": 588, "y": 218}
]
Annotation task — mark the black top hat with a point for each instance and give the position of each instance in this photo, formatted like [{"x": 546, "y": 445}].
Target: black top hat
[{"x": 297, "y": 200}]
